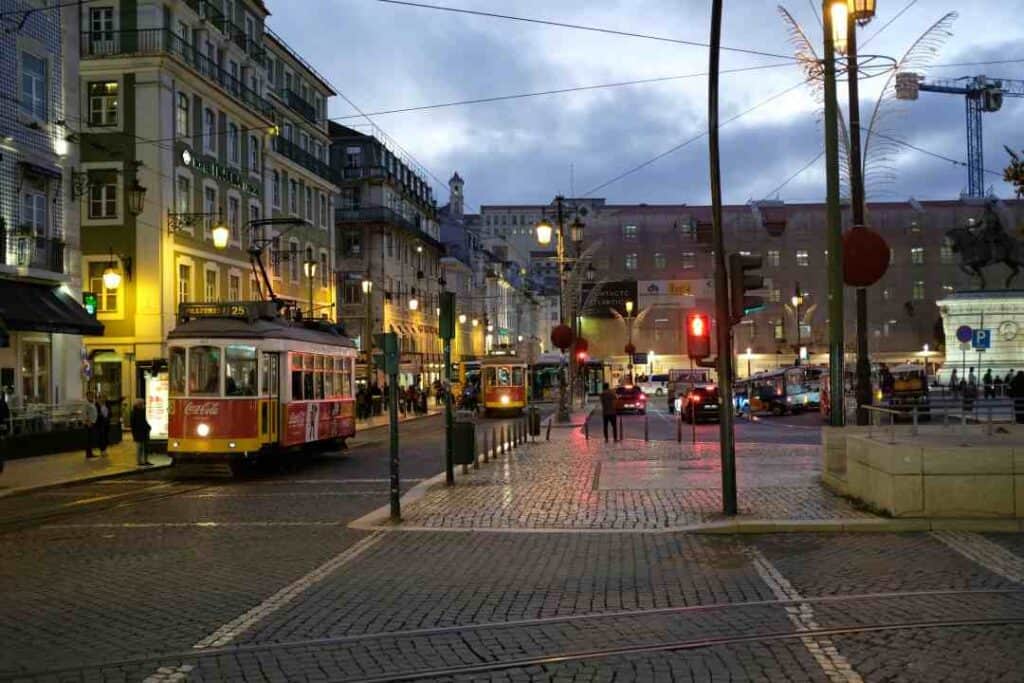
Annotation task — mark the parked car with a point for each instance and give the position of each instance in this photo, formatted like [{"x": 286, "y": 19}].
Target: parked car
[
  {"x": 630, "y": 399},
  {"x": 657, "y": 385},
  {"x": 700, "y": 405}
]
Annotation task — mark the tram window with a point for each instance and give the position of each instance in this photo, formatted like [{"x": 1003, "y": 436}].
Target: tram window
[
  {"x": 504, "y": 377},
  {"x": 517, "y": 377},
  {"x": 265, "y": 374},
  {"x": 296, "y": 385},
  {"x": 240, "y": 371},
  {"x": 489, "y": 377},
  {"x": 329, "y": 391},
  {"x": 307, "y": 385},
  {"x": 177, "y": 371},
  {"x": 318, "y": 381},
  {"x": 204, "y": 371}
]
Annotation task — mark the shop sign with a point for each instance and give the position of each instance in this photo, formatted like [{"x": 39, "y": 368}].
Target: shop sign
[
  {"x": 157, "y": 405},
  {"x": 600, "y": 299},
  {"x": 209, "y": 167}
]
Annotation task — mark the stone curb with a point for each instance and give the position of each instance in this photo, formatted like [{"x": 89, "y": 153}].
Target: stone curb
[{"x": 81, "y": 480}]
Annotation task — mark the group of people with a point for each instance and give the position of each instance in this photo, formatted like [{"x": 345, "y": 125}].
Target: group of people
[
  {"x": 1011, "y": 384},
  {"x": 412, "y": 399},
  {"x": 97, "y": 428}
]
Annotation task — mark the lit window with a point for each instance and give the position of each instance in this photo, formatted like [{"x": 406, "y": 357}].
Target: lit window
[
  {"x": 802, "y": 258},
  {"x": 103, "y": 103},
  {"x": 773, "y": 258},
  {"x": 631, "y": 261},
  {"x": 917, "y": 255},
  {"x": 918, "y": 292},
  {"x": 181, "y": 126},
  {"x": 106, "y": 299},
  {"x": 184, "y": 283},
  {"x": 629, "y": 232},
  {"x": 946, "y": 253},
  {"x": 234, "y": 288},
  {"x": 689, "y": 260},
  {"x": 210, "y": 286},
  {"x": 659, "y": 261},
  {"x": 780, "y": 330}
]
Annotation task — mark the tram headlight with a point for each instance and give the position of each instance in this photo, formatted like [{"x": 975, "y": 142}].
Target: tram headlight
[
  {"x": 505, "y": 400},
  {"x": 203, "y": 429}
]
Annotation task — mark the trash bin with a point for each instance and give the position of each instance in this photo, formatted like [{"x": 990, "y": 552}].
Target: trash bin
[
  {"x": 464, "y": 442},
  {"x": 533, "y": 420}
]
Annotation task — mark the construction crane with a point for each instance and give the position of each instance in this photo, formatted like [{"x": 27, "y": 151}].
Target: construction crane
[{"x": 983, "y": 95}]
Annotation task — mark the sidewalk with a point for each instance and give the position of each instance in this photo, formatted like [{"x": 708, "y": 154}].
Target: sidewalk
[
  {"x": 21, "y": 475},
  {"x": 26, "y": 474}
]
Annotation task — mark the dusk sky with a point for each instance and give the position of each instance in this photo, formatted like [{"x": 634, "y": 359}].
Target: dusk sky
[{"x": 385, "y": 56}]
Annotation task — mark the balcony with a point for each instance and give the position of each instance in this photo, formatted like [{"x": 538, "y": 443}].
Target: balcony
[
  {"x": 161, "y": 42},
  {"x": 304, "y": 158},
  {"x": 386, "y": 216},
  {"x": 32, "y": 251},
  {"x": 299, "y": 105},
  {"x": 363, "y": 172}
]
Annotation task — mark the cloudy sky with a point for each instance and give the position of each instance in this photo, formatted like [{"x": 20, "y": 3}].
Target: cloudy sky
[{"x": 385, "y": 56}]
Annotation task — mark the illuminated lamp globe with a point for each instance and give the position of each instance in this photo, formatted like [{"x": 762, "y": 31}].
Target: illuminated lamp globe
[
  {"x": 544, "y": 231},
  {"x": 562, "y": 337},
  {"x": 220, "y": 234},
  {"x": 581, "y": 346},
  {"x": 111, "y": 278},
  {"x": 865, "y": 257}
]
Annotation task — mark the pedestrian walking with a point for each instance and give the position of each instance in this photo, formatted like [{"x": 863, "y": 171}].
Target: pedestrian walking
[
  {"x": 91, "y": 418},
  {"x": 954, "y": 383},
  {"x": 971, "y": 379},
  {"x": 1017, "y": 394},
  {"x": 102, "y": 423},
  {"x": 608, "y": 412},
  {"x": 986, "y": 381},
  {"x": 140, "y": 433}
]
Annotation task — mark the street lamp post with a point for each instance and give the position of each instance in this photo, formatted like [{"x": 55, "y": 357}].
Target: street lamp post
[
  {"x": 797, "y": 301},
  {"x": 629, "y": 341},
  {"x": 309, "y": 268},
  {"x": 367, "y": 286},
  {"x": 749, "y": 356}
]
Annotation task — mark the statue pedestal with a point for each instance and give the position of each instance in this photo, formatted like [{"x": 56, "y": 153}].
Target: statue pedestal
[{"x": 1001, "y": 312}]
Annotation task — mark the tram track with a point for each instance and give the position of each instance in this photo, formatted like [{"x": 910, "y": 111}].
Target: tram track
[{"x": 506, "y": 645}]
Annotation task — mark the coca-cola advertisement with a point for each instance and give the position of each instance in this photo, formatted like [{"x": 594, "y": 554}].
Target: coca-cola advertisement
[
  {"x": 316, "y": 421},
  {"x": 227, "y": 419}
]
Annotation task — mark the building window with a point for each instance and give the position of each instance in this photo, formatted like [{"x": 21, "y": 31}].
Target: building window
[
  {"x": 946, "y": 253},
  {"x": 33, "y": 213},
  {"x": 106, "y": 299},
  {"x": 689, "y": 260},
  {"x": 234, "y": 143},
  {"x": 659, "y": 261},
  {"x": 103, "y": 100},
  {"x": 234, "y": 288},
  {"x": 323, "y": 210},
  {"x": 309, "y": 203},
  {"x": 629, "y": 232},
  {"x": 254, "y": 154},
  {"x": 353, "y": 157},
  {"x": 351, "y": 293},
  {"x": 181, "y": 116},
  {"x": 325, "y": 271},
  {"x": 210, "y": 286},
  {"x": 918, "y": 292},
  {"x": 101, "y": 26},
  {"x": 184, "y": 283},
  {"x": 33, "y": 86},
  {"x": 234, "y": 218},
  {"x": 773, "y": 258},
  {"x": 275, "y": 188},
  {"x": 352, "y": 243},
  {"x": 780, "y": 330},
  {"x": 631, "y": 261},
  {"x": 774, "y": 295},
  {"x": 802, "y": 258},
  {"x": 210, "y": 209},
  {"x": 293, "y": 196},
  {"x": 103, "y": 198},
  {"x": 209, "y": 125},
  {"x": 35, "y": 372},
  {"x": 917, "y": 255},
  {"x": 293, "y": 261},
  {"x": 183, "y": 200}
]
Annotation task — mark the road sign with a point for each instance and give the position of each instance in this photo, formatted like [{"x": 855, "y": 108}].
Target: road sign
[
  {"x": 964, "y": 333},
  {"x": 982, "y": 339},
  {"x": 640, "y": 358}
]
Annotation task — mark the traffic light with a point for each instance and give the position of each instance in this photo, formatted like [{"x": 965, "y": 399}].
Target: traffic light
[
  {"x": 698, "y": 336},
  {"x": 741, "y": 282},
  {"x": 89, "y": 302}
]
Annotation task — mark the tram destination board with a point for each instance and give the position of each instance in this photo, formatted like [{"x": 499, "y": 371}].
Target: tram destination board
[{"x": 244, "y": 310}]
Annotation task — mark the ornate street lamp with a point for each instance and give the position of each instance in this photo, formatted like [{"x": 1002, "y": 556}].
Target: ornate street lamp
[
  {"x": 462, "y": 318},
  {"x": 111, "y": 278},
  {"x": 220, "y": 234},
  {"x": 136, "y": 196},
  {"x": 367, "y": 285},
  {"x": 840, "y": 14},
  {"x": 576, "y": 231},
  {"x": 544, "y": 231},
  {"x": 862, "y": 11},
  {"x": 309, "y": 268}
]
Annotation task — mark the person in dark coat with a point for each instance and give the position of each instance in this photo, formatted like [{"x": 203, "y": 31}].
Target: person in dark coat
[
  {"x": 102, "y": 423},
  {"x": 1017, "y": 394},
  {"x": 140, "y": 433},
  {"x": 608, "y": 412}
]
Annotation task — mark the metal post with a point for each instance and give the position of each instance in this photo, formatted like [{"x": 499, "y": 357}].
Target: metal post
[
  {"x": 449, "y": 426},
  {"x": 722, "y": 316},
  {"x": 395, "y": 486},
  {"x": 797, "y": 298},
  {"x": 647, "y": 435},
  {"x": 586, "y": 428},
  {"x": 693, "y": 423},
  {"x": 622, "y": 430},
  {"x": 679, "y": 429},
  {"x": 548, "y": 434},
  {"x": 563, "y": 413},
  {"x": 837, "y": 412},
  {"x": 487, "y": 453},
  {"x": 504, "y": 440},
  {"x": 913, "y": 428},
  {"x": 494, "y": 442}
]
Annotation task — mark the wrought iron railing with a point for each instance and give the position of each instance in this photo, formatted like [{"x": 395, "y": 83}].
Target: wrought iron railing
[
  {"x": 32, "y": 251},
  {"x": 304, "y": 158},
  {"x": 156, "y": 41},
  {"x": 381, "y": 214},
  {"x": 300, "y": 105}
]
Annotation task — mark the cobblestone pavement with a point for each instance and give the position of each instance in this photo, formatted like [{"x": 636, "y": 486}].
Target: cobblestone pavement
[
  {"x": 261, "y": 580},
  {"x": 572, "y": 483}
]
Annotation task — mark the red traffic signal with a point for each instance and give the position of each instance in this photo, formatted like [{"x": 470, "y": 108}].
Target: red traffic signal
[{"x": 698, "y": 335}]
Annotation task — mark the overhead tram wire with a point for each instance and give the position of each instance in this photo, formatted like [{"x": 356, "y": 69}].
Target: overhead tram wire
[
  {"x": 559, "y": 91},
  {"x": 695, "y": 138},
  {"x": 794, "y": 176},
  {"x": 943, "y": 157},
  {"x": 889, "y": 23},
  {"x": 581, "y": 27}
]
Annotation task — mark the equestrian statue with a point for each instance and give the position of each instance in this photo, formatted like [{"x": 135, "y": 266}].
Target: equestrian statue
[{"x": 987, "y": 244}]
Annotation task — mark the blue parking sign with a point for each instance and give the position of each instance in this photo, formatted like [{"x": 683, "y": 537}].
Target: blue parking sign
[{"x": 982, "y": 339}]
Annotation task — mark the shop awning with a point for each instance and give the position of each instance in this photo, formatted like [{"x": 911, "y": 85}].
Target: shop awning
[{"x": 38, "y": 307}]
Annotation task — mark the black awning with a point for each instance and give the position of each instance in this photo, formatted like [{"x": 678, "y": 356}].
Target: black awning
[
  {"x": 37, "y": 169},
  {"x": 38, "y": 307}
]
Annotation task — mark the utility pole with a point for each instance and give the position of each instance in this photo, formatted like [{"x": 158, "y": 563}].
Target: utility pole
[
  {"x": 837, "y": 417},
  {"x": 723, "y": 330}
]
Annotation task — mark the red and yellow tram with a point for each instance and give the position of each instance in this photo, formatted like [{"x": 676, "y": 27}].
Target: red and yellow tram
[
  {"x": 246, "y": 383},
  {"x": 503, "y": 384}
]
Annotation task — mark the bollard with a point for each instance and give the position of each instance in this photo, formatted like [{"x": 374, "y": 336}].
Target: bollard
[
  {"x": 586, "y": 428},
  {"x": 487, "y": 455},
  {"x": 548, "y": 437},
  {"x": 963, "y": 426},
  {"x": 892, "y": 428},
  {"x": 622, "y": 431},
  {"x": 494, "y": 443},
  {"x": 647, "y": 435},
  {"x": 872, "y": 416},
  {"x": 679, "y": 429},
  {"x": 913, "y": 416},
  {"x": 989, "y": 430},
  {"x": 476, "y": 457}
]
